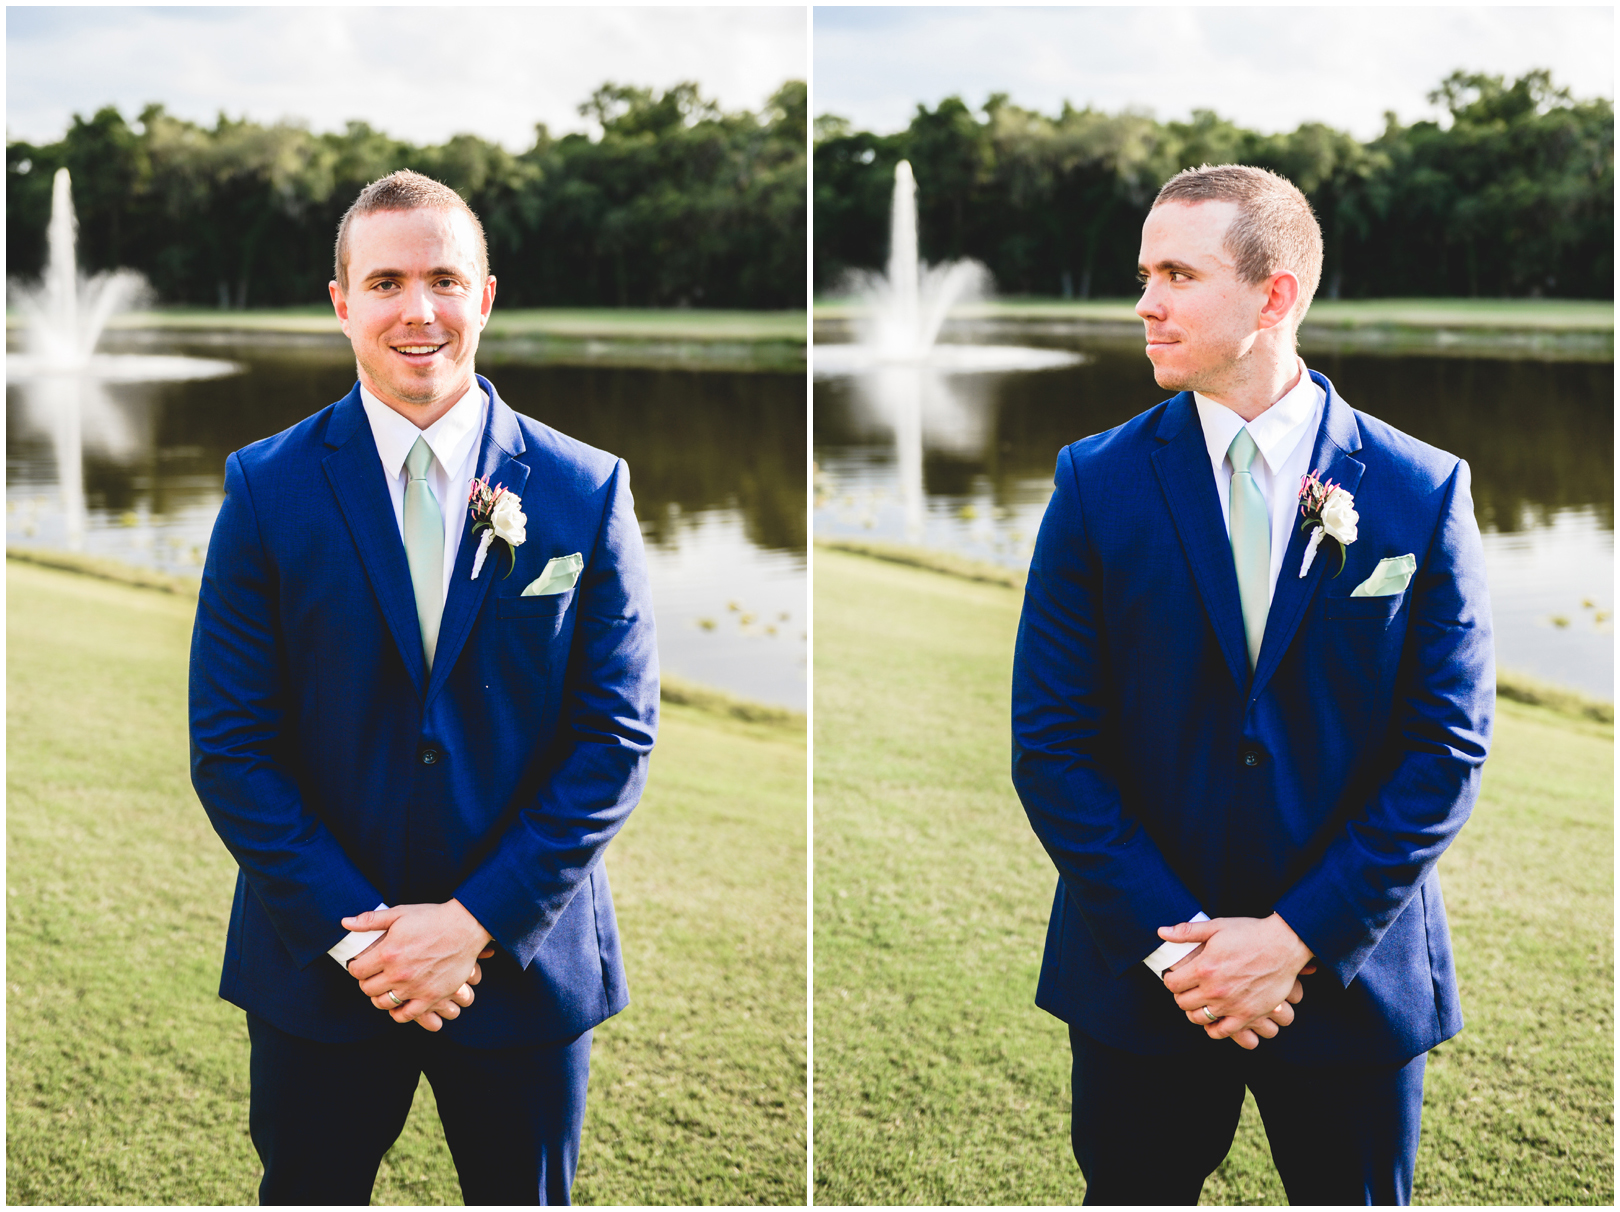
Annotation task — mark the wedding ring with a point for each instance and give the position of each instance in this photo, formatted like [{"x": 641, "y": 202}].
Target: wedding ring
[
  {"x": 394, "y": 997},
  {"x": 1207, "y": 1015}
]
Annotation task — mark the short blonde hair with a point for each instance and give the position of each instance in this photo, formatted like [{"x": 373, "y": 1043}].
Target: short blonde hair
[
  {"x": 1275, "y": 228},
  {"x": 404, "y": 190}
]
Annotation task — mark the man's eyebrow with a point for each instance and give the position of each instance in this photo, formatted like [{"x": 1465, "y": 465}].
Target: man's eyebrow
[
  {"x": 1167, "y": 267},
  {"x": 442, "y": 271}
]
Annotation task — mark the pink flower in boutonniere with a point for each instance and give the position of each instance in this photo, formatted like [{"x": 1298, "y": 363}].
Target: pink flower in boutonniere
[
  {"x": 499, "y": 515},
  {"x": 1328, "y": 512}
]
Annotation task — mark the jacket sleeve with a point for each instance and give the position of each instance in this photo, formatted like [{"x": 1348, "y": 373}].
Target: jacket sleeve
[
  {"x": 242, "y": 755},
  {"x": 1441, "y": 727},
  {"x": 1064, "y": 716},
  {"x": 606, "y": 729}
]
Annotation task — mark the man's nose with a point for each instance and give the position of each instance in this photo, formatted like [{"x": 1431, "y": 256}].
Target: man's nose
[
  {"x": 1148, "y": 307},
  {"x": 418, "y": 308}
]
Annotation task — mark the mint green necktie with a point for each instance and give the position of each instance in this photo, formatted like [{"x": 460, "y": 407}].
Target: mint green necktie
[
  {"x": 1251, "y": 542},
  {"x": 424, "y": 546}
]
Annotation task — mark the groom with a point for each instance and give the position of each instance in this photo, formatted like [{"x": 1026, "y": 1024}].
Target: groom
[
  {"x": 416, "y": 726},
  {"x": 1252, "y": 694}
]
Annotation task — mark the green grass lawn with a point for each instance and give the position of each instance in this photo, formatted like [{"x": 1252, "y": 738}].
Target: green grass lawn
[
  {"x": 937, "y": 1079},
  {"x": 607, "y": 323},
  {"x": 1565, "y": 315},
  {"x": 127, "y": 1080}
]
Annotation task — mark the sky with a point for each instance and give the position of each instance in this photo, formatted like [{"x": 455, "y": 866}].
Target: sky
[
  {"x": 1268, "y": 69},
  {"x": 420, "y": 74}
]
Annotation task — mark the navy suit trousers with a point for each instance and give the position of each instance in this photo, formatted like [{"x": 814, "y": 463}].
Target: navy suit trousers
[
  {"x": 1151, "y": 1129},
  {"x": 322, "y": 1115}
]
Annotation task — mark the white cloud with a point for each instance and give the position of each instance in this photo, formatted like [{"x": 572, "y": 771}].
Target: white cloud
[
  {"x": 418, "y": 73},
  {"x": 1265, "y": 68}
]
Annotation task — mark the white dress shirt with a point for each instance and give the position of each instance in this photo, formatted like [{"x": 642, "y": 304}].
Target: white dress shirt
[
  {"x": 453, "y": 439},
  {"x": 1285, "y": 435}
]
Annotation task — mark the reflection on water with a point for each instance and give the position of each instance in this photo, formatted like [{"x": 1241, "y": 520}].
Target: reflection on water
[
  {"x": 964, "y": 463},
  {"x": 716, "y": 459},
  {"x": 1551, "y": 598}
]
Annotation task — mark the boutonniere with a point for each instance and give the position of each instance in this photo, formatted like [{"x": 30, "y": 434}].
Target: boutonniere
[
  {"x": 1328, "y": 512},
  {"x": 499, "y": 514}
]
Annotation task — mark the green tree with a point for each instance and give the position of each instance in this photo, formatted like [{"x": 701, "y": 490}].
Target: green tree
[
  {"x": 674, "y": 202},
  {"x": 1513, "y": 195}
]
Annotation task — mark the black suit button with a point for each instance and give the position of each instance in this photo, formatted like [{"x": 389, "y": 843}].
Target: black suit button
[
  {"x": 1251, "y": 757},
  {"x": 429, "y": 756}
]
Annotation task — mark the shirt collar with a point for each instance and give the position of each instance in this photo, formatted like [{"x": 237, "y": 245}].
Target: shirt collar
[
  {"x": 448, "y": 438},
  {"x": 1276, "y": 432}
]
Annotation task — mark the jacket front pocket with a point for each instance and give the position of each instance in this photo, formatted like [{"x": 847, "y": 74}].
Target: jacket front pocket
[
  {"x": 538, "y": 607},
  {"x": 1373, "y": 610}
]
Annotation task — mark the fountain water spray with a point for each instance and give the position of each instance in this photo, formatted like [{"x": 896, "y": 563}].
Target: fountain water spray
[
  {"x": 905, "y": 308},
  {"x": 66, "y": 313},
  {"x": 60, "y": 377}
]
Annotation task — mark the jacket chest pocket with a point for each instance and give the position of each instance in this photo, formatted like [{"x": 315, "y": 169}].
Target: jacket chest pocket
[
  {"x": 548, "y": 606},
  {"x": 540, "y": 616},
  {"x": 1372, "y": 611}
]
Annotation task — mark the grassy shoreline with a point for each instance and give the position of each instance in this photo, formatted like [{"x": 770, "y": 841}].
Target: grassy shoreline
[
  {"x": 1554, "y": 329},
  {"x": 672, "y": 689},
  {"x": 659, "y": 339},
  {"x": 607, "y": 323},
  {"x": 127, "y": 1076},
  {"x": 1510, "y": 684},
  {"x": 1562, "y": 315},
  {"x": 937, "y": 1079}
]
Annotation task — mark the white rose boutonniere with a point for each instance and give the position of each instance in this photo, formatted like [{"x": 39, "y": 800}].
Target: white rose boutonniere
[
  {"x": 506, "y": 519},
  {"x": 499, "y": 515},
  {"x": 1339, "y": 516},
  {"x": 1328, "y": 512}
]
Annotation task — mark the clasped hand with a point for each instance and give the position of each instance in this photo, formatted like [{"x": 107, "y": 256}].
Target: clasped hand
[
  {"x": 1246, "y": 970},
  {"x": 428, "y": 959}
]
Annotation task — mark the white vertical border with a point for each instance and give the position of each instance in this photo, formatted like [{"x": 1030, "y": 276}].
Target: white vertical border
[{"x": 810, "y": 616}]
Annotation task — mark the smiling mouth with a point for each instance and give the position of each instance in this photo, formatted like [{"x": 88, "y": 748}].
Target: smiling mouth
[{"x": 418, "y": 350}]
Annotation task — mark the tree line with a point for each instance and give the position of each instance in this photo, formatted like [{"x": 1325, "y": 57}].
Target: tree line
[
  {"x": 674, "y": 203},
  {"x": 1512, "y": 197}
]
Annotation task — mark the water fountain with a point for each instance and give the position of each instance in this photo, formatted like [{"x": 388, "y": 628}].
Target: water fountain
[
  {"x": 904, "y": 309},
  {"x": 64, "y": 315},
  {"x": 922, "y": 388},
  {"x": 61, "y": 378}
]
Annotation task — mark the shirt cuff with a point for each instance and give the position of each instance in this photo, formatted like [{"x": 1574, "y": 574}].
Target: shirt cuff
[
  {"x": 1167, "y": 953},
  {"x": 356, "y": 941}
]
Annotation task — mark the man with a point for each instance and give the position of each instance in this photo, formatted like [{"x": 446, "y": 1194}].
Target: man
[
  {"x": 416, "y": 726},
  {"x": 1249, "y": 713}
]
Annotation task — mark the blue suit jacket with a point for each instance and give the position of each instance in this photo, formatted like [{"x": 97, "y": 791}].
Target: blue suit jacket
[
  {"x": 1163, "y": 779},
  {"x": 341, "y": 774}
]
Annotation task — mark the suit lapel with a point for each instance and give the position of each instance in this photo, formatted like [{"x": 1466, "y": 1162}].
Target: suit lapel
[
  {"x": 1182, "y": 465},
  {"x": 1336, "y": 441},
  {"x": 356, "y": 475},
  {"x": 497, "y": 461}
]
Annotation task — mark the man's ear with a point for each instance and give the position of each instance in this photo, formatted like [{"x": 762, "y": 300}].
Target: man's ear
[
  {"x": 340, "y": 304},
  {"x": 1282, "y": 292},
  {"x": 488, "y": 300}
]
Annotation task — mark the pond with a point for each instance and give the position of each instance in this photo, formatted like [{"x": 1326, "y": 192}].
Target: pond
[
  {"x": 717, "y": 461},
  {"x": 972, "y": 470}
]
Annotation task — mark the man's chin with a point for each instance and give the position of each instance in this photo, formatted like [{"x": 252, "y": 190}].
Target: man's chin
[
  {"x": 1172, "y": 380},
  {"x": 419, "y": 391}
]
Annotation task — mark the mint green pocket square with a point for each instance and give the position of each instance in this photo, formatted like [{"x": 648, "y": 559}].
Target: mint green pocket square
[
  {"x": 559, "y": 576},
  {"x": 1391, "y": 576}
]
